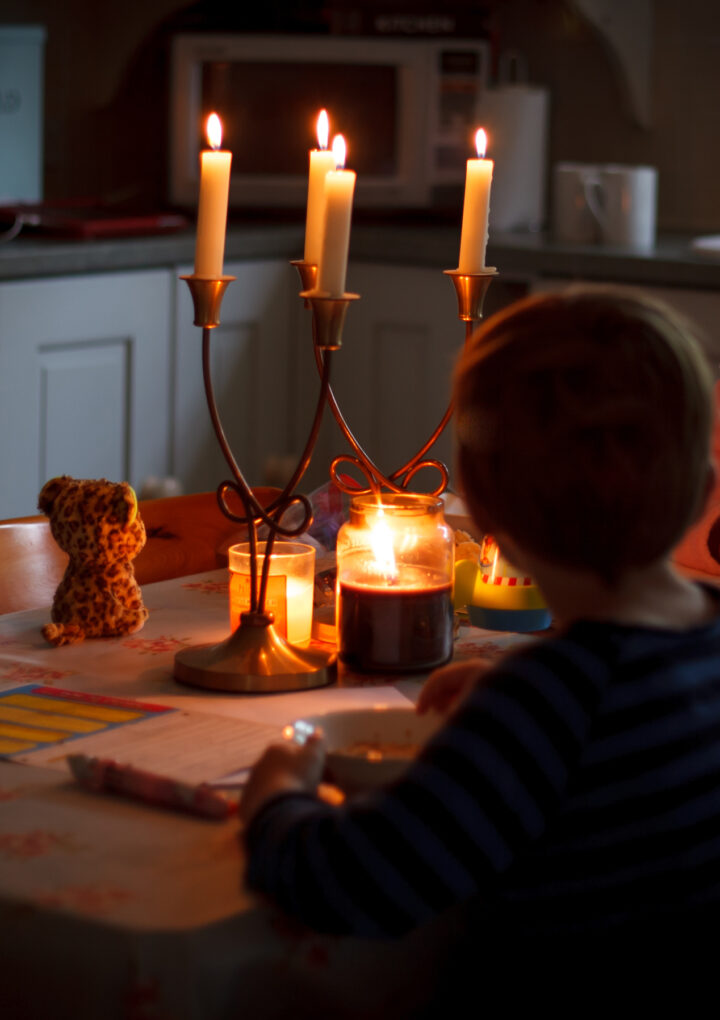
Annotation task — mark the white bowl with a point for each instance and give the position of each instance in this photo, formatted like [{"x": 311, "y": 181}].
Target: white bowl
[{"x": 367, "y": 747}]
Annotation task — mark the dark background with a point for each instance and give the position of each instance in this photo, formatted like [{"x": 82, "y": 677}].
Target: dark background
[{"x": 106, "y": 87}]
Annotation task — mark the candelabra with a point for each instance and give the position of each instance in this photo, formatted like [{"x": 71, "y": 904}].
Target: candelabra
[{"x": 255, "y": 658}]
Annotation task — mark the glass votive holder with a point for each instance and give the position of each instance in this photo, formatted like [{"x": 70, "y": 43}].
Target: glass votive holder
[
  {"x": 395, "y": 559},
  {"x": 290, "y": 587}
]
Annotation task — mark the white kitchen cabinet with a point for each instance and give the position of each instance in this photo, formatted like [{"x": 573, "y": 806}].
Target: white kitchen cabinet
[
  {"x": 252, "y": 371},
  {"x": 84, "y": 381}
]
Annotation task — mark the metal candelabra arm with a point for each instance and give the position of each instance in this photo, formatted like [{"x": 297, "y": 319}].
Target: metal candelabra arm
[
  {"x": 255, "y": 657},
  {"x": 471, "y": 289},
  {"x": 376, "y": 481},
  {"x": 254, "y": 512}
]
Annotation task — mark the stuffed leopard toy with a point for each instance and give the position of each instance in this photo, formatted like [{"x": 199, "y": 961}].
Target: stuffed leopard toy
[{"x": 98, "y": 524}]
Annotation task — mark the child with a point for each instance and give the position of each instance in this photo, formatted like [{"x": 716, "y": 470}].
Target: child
[{"x": 575, "y": 790}]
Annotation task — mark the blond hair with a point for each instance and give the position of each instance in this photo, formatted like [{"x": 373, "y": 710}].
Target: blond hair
[{"x": 583, "y": 427}]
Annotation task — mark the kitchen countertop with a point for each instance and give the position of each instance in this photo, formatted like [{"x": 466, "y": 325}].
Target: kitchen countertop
[{"x": 671, "y": 263}]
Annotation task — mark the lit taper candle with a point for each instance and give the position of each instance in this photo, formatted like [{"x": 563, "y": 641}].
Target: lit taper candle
[
  {"x": 213, "y": 203},
  {"x": 321, "y": 161},
  {"x": 339, "y": 190},
  {"x": 476, "y": 207}
]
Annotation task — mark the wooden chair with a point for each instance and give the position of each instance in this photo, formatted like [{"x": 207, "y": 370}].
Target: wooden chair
[{"x": 185, "y": 535}]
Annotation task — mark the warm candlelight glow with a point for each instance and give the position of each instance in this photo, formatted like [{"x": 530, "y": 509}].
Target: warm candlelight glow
[
  {"x": 381, "y": 544},
  {"x": 339, "y": 151},
  {"x": 323, "y": 129},
  {"x": 395, "y": 559},
  {"x": 213, "y": 131},
  {"x": 289, "y": 594},
  {"x": 481, "y": 142},
  {"x": 495, "y": 563}
]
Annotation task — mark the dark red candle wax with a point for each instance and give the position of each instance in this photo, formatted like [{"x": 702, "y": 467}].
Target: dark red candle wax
[{"x": 394, "y": 628}]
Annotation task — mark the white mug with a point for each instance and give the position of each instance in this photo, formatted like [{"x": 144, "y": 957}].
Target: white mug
[
  {"x": 572, "y": 219},
  {"x": 623, "y": 202}
]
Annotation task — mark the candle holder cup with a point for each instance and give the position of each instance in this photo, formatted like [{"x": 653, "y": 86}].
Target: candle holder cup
[
  {"x": 471, "y": 289},
  {"x": 328, "y": 317},
  {"x": 207, "y": 295},
  {"x": 308, "y": 276}
]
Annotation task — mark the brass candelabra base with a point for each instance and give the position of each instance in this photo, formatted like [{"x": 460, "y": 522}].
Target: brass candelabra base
[{"x": 254, "y": 660}]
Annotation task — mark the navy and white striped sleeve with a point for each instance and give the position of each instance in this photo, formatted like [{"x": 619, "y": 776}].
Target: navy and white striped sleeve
[{"x": 480, "y": 793}]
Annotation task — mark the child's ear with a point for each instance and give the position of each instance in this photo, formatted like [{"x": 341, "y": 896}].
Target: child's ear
[
  {"x": 50, "y": 492},
  {"x": 126, "y": 505}
]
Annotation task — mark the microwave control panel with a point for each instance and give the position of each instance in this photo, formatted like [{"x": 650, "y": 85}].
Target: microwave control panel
[{"x": 461, "y": 77}]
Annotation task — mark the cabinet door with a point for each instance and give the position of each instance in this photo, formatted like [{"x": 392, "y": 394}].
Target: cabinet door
[
  {"x": 84, "y": 384},
  {"x": 251, "y": 369}
]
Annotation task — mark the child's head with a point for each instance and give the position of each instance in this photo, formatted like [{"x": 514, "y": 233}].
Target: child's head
[{"x": 583, "y": 428}]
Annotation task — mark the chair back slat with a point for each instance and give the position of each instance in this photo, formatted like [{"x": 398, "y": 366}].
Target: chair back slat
[{"x": 185, "y": 535}]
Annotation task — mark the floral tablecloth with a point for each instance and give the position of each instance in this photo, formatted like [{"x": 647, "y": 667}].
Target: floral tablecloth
[{"x": 109, "y": 908}]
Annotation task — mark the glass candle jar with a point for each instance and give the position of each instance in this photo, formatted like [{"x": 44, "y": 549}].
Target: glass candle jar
[
  {"x": 395, "y": 560},
  {"x": 290, "y": 587}
]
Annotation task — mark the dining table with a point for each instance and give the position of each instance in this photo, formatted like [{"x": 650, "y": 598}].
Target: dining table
[{"x": 111, "y": 907}]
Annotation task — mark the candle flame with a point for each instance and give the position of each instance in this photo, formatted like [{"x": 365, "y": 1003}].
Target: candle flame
[
  {"x": 494, "y": 563},
  {"x": 381, "y": 544},
  {"x": 323, "y": 129},
  {"x": 213, "y": 130},
  {"x": 339, "y": 150},
  {"x": 480, "y": 142}
]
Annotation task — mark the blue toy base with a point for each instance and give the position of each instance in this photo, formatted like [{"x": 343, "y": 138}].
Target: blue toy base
[{"x": 520, "y": 620}]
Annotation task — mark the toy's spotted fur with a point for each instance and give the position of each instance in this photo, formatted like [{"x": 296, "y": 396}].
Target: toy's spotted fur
[{"x": 97, "y": 523}]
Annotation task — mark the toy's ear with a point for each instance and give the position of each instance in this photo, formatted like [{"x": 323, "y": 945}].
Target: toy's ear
[
  {"x": 50, "y": 492},
  {"x": 125, "y": 503}
]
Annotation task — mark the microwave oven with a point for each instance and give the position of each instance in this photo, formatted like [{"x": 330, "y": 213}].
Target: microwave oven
[{"x": 406, "y": 107}]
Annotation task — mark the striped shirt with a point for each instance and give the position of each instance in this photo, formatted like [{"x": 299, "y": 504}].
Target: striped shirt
[{"x": 576, "y": 790}]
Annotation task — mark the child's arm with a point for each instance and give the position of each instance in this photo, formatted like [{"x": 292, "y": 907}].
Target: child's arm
[
  {"x": 478, "y": 795},
  {"x": 446, "y": 687},
  {"x": 283, "y": 768}
]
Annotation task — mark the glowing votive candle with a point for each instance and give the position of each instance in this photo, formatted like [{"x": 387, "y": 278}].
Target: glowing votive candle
[
  {"x": 290, "y": 587},
  {"x": 212, "y": 204},
  {"x": 394, "y": 562}
]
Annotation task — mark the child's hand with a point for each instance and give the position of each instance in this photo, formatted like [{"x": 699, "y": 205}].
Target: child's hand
[
  {"x": 447, "y": 686},
  {"x": 283, "y": 768}
]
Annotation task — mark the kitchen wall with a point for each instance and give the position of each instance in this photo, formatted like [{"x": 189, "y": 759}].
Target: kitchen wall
[{"x": 106, "y": 73}]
